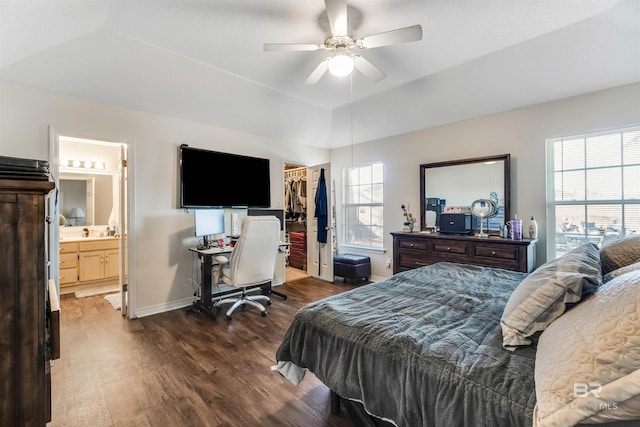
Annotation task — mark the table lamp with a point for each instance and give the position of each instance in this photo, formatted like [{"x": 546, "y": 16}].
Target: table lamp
[{"x": 75, "y": 214}]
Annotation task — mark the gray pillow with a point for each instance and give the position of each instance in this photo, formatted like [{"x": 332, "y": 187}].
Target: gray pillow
[
  {"x": 620, "y": 271},
  {"x": 544, "y": 294},
  {"x": 620, "y": 253}
]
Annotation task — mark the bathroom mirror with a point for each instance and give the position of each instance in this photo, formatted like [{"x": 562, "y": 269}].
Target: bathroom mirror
[
  {"x": 454, "y": 185},
  {"x": 91, "y": 195}
]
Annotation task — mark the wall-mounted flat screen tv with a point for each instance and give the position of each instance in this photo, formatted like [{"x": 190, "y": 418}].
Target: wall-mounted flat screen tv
[{"x": 213, "y": 179}]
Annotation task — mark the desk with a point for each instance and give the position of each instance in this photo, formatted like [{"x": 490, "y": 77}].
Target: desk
[
  {"x": 206, "y": 255},
  {"x": 207, "y": 295}
]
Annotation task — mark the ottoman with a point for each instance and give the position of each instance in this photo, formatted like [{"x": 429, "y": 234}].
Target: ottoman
[{"x": 352, "y": 267}]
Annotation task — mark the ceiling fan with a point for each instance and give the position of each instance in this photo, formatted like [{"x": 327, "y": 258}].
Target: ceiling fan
[{"x": 343, "y": 46}]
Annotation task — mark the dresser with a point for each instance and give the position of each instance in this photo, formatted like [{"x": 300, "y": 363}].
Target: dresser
[
  {"x": 413, "y": 250},
  {"x": 24, "y": 326},
  {"x": 298, "y": 249}
]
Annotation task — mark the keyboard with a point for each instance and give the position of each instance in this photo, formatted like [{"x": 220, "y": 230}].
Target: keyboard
[{"x": 215, "y": 250}]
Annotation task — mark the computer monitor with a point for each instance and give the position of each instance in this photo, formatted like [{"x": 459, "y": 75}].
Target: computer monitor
[{"x": 208, "y": 223}]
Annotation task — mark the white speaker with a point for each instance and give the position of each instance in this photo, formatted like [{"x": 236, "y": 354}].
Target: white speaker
[{"x": 235, "y": 225}]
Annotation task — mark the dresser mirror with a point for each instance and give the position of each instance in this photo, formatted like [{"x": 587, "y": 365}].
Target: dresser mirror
[{"x": 453, "y": 186}]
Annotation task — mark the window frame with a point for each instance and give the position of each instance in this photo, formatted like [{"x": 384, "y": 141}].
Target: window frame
[
  {"x": 585, "y": 200},
  {"x": 346, "y": 206}
]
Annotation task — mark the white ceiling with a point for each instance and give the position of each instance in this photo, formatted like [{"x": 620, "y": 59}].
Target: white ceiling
[{"x": 203, "y": 60}]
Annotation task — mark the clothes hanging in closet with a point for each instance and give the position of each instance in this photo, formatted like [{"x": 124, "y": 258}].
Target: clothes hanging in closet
[{"x": 296, "y": 196}]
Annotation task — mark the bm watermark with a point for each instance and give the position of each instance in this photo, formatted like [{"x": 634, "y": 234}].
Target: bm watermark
[{"x": 584, "y": 390}]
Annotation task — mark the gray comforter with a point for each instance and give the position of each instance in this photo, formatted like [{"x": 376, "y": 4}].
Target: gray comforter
[{"x": 422, "y": 348}]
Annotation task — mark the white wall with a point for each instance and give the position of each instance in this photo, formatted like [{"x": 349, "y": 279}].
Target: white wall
[
  {"x": 521, "y": 132},
  {"x": 162, "y": 264},
  {"x": 162, "y": 231}
]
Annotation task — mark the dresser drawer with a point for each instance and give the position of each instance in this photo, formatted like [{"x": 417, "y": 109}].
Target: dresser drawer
[
  {"x": 68, "y": 260},
  {"x": 413, "y": 244},
  {"x": 507, "y": 253},
  {"x": 297, "y": 237},
  {"x": 407, "y": 260},
  {"x": 66, "y": 248},
  {"x": 98, "y": 245},
  {"x": 456, "y": 248},
  {"x": 68, "y": 276}
]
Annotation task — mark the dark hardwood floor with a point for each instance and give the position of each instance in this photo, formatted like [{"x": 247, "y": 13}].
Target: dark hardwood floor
[{"x": 178, "y": 369}]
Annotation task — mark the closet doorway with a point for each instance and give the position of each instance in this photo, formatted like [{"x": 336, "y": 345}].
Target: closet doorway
[{"x": 295, "y": 213}]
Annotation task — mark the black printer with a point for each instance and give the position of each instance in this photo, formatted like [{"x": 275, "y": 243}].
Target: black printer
[{"x": 456, "y": 223}]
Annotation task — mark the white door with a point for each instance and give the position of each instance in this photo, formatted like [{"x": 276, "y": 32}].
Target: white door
[
  {"x": 319, "y": 255},
  {"x": 53, "y": 234},
  {"x": 123, "y": 221}
]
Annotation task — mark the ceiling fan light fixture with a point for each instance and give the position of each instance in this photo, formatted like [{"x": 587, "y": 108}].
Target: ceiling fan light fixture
[
  {"x": 341, "y": 65},
  {"x": 338, "y": 22}
]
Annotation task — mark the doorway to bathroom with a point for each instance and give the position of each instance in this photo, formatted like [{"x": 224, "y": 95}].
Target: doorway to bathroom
[{"x": 91, "y": 215}]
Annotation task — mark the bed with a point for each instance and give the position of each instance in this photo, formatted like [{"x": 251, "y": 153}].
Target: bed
[{"x": 431, "y": 346}]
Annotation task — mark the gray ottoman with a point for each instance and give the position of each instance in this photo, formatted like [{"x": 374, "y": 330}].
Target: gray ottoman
[{"x": 352, "y": 267}]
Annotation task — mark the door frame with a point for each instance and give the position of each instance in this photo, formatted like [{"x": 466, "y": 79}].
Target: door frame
[
  {"x": 127, "y": 212},
  {"x": 123, "y": 180}
]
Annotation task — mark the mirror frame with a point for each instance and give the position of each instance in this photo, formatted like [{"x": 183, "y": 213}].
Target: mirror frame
[
  {"x": 89, "y": 199},
  {"x": 506, "y": 158},
  {"x": 90, "y": 177}
]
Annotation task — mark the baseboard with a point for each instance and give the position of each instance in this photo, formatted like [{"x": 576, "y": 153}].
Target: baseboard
[
  {"x": 186, "y": 302},
  {"x": 161, "y": 308}
]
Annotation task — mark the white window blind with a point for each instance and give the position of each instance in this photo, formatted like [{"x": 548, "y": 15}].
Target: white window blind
[
  {"x": 593, "y": 191},
  {"x": 363, "y": 205}
]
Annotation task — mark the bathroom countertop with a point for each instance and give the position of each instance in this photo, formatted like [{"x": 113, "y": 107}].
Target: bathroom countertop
[{"x": 83, "y": 239}]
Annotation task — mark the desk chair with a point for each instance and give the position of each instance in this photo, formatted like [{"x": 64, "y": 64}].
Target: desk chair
[{"x": 251, "y": 263}]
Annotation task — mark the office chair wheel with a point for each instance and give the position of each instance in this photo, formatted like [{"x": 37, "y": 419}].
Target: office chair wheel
[
  {"x": 269, "y": 302},
  {"x": 264, "y": 313},
  {"x": 228, "y": 317}
]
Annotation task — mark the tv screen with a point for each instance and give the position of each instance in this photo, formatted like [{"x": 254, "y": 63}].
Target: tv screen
[{"x": 212, "y": 179}]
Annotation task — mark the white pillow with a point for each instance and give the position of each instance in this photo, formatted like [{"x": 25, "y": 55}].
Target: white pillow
[
  {"x": 588, "y": 361},
  {"x": 620, "y": 271}
]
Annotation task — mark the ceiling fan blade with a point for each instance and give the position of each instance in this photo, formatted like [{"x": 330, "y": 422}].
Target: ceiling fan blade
[
  {"x": 372, "y": 72},
  {"x": 337, "y": 15},
  {"x": 274, "y": 47},
  {"x": 401, "y": 35},
  {"x": 317, "y": 73}
]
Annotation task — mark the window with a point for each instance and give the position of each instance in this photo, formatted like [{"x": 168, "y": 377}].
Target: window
[
  {"x": 593, "y": 189},
  {"x": 362, "y": 204}
]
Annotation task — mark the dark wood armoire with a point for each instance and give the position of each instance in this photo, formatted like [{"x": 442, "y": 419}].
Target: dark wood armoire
[{"x": 24, "y": 298}]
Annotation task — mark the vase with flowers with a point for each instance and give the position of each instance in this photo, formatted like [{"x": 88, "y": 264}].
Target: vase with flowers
[{"x": 409, "y": 219}]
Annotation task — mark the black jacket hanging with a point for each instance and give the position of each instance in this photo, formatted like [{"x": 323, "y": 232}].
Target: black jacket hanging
[{"x": 321, "y": 208}]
